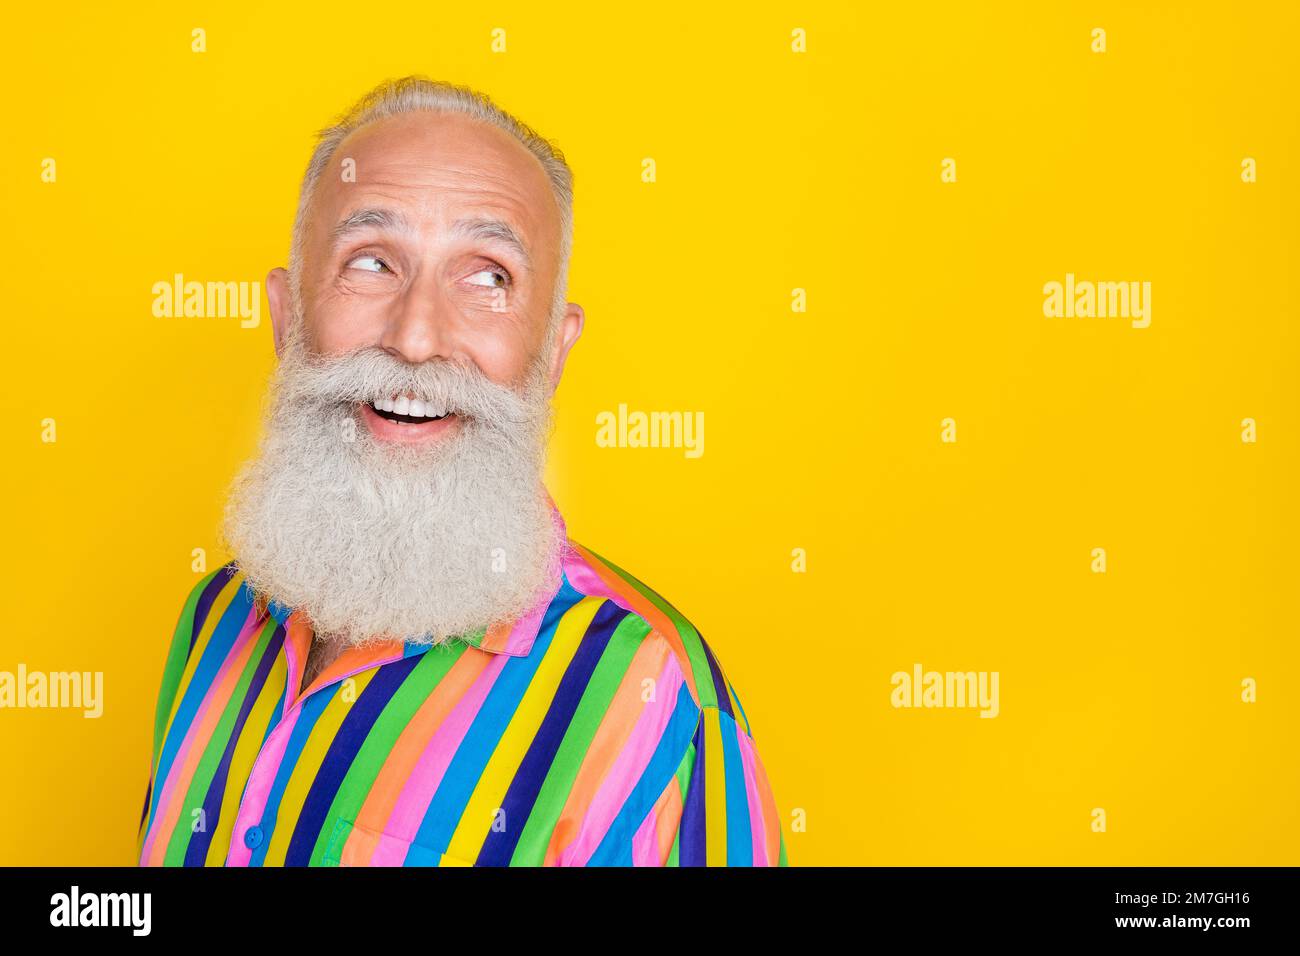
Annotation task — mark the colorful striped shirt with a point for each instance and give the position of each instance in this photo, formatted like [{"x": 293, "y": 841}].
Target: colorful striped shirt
[{"x": 598, "y": 730}]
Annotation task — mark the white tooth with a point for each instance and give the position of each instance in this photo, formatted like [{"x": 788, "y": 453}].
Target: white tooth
[
  {"x": 417, "y": 408},
  {"x": 384, "y": 405},
  {"x": 401, "y": 405}
]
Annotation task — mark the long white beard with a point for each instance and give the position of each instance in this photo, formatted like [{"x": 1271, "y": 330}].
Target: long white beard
[{"x": 375, "y": 540}]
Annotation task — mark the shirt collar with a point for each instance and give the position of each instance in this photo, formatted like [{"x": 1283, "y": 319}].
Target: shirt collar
[{"x": 511, "y": 638}]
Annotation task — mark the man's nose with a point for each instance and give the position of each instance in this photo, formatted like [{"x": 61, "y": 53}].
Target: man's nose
[{"x": 421, "y": 326}]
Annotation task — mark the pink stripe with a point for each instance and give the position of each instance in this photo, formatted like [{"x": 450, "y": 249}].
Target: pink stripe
[
  {"x": 417, "y": 793},
  {"x": 519, "y": 642},
  {"x": 526, "y": 628},
  {"x": 220, "y": 685},
  {"x": 632, "y": 760},
  {"x": 259, "y": 785},
  {"x": 645, "y": 845},
  {"x": 756, "y": 827},
  {"x": 586, "y": 581}
]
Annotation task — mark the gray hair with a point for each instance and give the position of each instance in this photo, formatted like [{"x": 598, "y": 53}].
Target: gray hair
[{"x": 412, "y": 94}]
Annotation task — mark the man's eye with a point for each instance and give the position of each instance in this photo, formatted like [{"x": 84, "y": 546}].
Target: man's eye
[
  {"x": 492, "y": 278},
  {"x": 368, "y": 264}
]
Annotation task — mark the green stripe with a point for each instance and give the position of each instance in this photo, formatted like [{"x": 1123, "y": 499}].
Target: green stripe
[
  {"x": 683, "y": 784},
  {"x": 700, "y": 671},
  {"x": 378, "y": 745},
  {"x": 596, "y": 698},
  {"x": 177, "y": 657}
]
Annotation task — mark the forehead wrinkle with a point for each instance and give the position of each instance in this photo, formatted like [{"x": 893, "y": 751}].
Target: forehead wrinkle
[
  {"x": 492, "y": 179},
  {"x": 487, "y": 218},
  {"x": 402, "y": 153},
  {"x": 370, "y": 217},
  {"x": 474, "y": 191}
]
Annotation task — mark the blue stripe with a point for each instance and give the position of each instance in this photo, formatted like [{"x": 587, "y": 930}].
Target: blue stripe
[
  {"x": 616, "y": 847},
  {"x": 277, "y": 712},
  {"x": 692, "y": 850},
  {"x": 343, "y": 749},
  {"x": 197, "y": 851},
  {"x": 219, "y": 579},
  {"x": 214, "y": 655},
  {"x": 527, "y": 782},
  {"x": 743, "y": 716},
  {"x": 310, "y": 713},
  {"x": 740, "y": 846},
  {"x": 719, "y": 680}
]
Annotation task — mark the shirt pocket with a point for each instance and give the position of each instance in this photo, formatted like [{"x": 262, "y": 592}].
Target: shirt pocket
[{"x": 353, "y": 845}]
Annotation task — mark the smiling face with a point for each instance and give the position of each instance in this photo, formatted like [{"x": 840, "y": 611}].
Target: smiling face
[
  {"x": 398, "y": 487},
  {"x": 445, "y": 247}
]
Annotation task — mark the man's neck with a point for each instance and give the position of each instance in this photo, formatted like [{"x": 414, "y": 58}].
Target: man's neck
[{"x": 323, "y": 653}]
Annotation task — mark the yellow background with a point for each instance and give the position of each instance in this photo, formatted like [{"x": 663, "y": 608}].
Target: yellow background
[{"x": 776, "y": 170}]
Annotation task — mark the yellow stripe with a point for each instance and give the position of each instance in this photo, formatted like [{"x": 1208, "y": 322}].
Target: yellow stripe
[
  {"x": 485, "y": 801},
  {"x": 308, "y": 767},
  {"x": 715, "y": 790},
  {"x": 241, "y": 761}
]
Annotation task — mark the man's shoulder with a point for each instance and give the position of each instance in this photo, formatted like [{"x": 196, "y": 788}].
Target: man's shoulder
[
  {"x": 216, "y": 596},
  {"x": 209, "y": 599},
  {"x": 593, "y": 575}
]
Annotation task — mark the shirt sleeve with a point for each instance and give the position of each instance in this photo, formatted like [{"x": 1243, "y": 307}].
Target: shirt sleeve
[
  {"x": 728, "y": 814},
  {"x": 177, "y": 657}
]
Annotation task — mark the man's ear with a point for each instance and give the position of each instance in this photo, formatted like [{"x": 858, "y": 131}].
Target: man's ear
[
  {"x": 570, "y": 328},
  {"x": 277, "y": 293}
]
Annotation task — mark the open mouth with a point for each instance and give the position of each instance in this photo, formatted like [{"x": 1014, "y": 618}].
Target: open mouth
[{"x": 408, "y": 411}]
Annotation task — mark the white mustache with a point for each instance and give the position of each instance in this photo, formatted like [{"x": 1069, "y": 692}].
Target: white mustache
[{"x": 371, "y": 374}]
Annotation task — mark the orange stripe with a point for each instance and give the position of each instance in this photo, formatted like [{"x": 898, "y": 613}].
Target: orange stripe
[
  {"x": 642, "y": 605},
  {"x": 497, "y": 636},
  {"x": 357, "y": 658},
  {"x": 615, "y": 728},
  {"x": 771, "y": 816},
  {"x": 214, "y": 708},
  {"x": 668, "y": 816},
  {"x": 411, "y": 743}
]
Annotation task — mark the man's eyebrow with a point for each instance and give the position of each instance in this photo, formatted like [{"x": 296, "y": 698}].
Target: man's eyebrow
[
  {"x": 482, "y": 228},
  {"x": 367, "y": 219},
  {"x": 494, "y": 230}
]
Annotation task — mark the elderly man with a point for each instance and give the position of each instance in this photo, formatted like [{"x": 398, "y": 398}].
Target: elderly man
[{"x": 409, "y": 663}]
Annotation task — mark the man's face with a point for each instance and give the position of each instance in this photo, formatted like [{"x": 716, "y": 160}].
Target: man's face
[
  {"x": 427, "y": 287},
  {"x": 446, "y": 246}
]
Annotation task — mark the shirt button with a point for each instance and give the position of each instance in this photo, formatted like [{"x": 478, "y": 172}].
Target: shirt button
[{"x": 253, "y": 837}]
